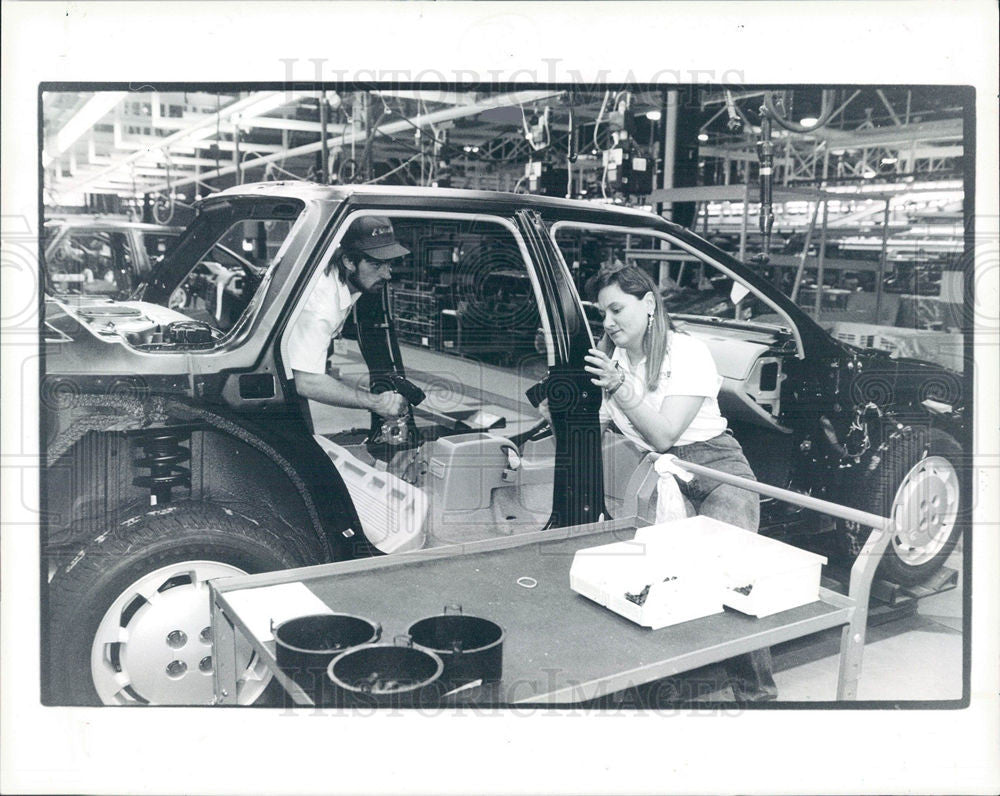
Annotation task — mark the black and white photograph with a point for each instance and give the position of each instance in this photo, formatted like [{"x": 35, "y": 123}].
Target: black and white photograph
[{"x": 543, "y": 399}]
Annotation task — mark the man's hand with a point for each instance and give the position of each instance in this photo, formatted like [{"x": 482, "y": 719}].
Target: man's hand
[
  {"x": 328, "y": 390},
  {"x": 543, "y": 410},
  {"x": 389, "y": 404}
]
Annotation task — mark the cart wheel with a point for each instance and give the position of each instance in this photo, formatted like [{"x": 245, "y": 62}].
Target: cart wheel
[{"x": 129, "y": 614}]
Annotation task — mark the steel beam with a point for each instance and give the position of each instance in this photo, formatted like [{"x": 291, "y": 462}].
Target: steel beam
[
  {"x": 735, "y": 192},
  {"x": 95, "y": 109},
  {"x": 434, "y": 117},
  {"x": 888, "y": 107},
  {"x": 444, "y": 97},
  {"x": 256, "y": 104},
  {"x": 922, "y": 152},
  {"x": 258, "y": 122},
  {"x": 943, "y": 130}
]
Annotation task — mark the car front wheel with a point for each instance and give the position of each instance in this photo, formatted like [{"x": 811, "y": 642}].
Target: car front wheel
[
  {"x": 129, "y": 615},
  {"x": 916, "y": 484}
]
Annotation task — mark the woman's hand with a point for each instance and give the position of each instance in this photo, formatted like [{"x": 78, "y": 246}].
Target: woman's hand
[{"x": 606, "y": 374}]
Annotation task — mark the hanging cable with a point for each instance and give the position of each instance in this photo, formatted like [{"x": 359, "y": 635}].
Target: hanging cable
[
  {"x": 135, "y": 191},
  {"x": 347, "y": 172},
  {"x": 205, "y": 185},
  {"x": 826, "y": 111},
  {"x": 570, "y": 157},
  {"x": 218, "y": 132},
  {"x": 272, "y": 166},
  {"x": 600, "y": 116},
  {"x": 371, "y": 133},
  {"x": 765, "y": 154},
  {"x": 388, "y": 173},
  {"x": 164, "y": 220}
]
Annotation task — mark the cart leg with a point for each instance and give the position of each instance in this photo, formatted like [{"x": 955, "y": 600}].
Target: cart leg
[
  {"x": 223, "y": 657},
  {"x": 852, "y": 648},
  {"x": 852, "y": 639}
]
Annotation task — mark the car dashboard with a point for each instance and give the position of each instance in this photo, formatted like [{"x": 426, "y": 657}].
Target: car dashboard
[{"x": 751, "y": 367}]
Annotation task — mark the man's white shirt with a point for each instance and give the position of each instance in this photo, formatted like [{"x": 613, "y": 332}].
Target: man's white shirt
[{"x": 320, "y": 321}]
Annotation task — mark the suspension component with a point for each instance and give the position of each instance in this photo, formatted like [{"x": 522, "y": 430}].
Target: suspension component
[{"x": 163, "y": 455}]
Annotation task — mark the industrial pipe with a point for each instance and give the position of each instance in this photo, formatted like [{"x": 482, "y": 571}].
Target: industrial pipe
[{"x": 765, "y": 153}]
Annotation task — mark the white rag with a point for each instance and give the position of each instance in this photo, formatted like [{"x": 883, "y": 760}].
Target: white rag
[{"x": 670, "y": 503}]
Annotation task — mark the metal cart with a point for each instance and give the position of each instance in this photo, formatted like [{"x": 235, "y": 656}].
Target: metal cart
[{"x": 560, "y": 647}]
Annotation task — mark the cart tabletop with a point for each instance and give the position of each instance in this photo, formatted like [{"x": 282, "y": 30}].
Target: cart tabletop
[{"x": 559, "y": 646}]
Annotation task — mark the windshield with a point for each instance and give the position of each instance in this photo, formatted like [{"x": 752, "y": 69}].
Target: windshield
[{"x": 214, "y": 273}]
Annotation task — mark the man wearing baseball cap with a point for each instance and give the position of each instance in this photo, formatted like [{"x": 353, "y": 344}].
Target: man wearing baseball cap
[{"x": 361, "y": 264}]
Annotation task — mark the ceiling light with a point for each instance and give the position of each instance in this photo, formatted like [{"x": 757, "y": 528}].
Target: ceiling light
[
  {"x": 808, "y": 121},
  {"x": 889, "y": 161},
  {"x": 653, "y": 116},
  {"x": 702, "y": 136},
  {"x": 868, "y": 174}
]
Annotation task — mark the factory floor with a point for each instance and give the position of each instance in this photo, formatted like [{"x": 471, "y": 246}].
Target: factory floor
[{"x": 914, "y": 656}]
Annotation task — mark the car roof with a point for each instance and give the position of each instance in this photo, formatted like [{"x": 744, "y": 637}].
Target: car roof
[{"x": 313, "y": 191}]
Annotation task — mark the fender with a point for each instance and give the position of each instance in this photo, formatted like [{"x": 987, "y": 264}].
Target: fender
[{"x": 283, "y": 440}]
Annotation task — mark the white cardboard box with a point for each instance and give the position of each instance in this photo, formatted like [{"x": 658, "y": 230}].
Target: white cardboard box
[
  {"x": 647, "y": 582},
  {"x": 692, "y": 567},
  {"x": 760, "y": 576}
]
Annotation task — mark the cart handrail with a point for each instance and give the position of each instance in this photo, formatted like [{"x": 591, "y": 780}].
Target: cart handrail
[{"x": 799, "y": 499}]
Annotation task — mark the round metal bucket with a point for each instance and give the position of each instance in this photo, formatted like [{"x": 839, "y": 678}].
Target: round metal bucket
[
  {"x": 470, "y": 647},
  {"x": 386, "y": 675},
  {"x": 305, "y": 645}
]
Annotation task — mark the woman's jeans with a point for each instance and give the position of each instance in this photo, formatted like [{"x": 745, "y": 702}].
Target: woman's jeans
[
  {"x": 731, "y": 504},
  {"x": 749, "y": 675}
]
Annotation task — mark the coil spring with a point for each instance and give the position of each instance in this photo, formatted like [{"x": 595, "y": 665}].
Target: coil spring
[{"x": 163, "y": 454}]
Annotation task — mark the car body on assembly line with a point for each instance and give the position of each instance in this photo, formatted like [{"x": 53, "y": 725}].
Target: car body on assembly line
[
  {"x": 179, "y": 451},
  {"x": 101, "y": 255}
]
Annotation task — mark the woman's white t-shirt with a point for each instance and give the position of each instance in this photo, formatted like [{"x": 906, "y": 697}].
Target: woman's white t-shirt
[{"x": 688, "y": 369}]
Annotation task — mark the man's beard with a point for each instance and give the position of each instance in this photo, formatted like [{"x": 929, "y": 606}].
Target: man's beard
[{"x": 357, "y": 287}]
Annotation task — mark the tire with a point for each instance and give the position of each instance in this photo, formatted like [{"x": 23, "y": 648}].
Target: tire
[
  {"x": 129, "y": 618},
  {"x": 916, "y": 483}
]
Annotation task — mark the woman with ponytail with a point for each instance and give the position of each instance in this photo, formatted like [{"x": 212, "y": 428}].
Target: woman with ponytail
[{"x": 660, "y": 389}]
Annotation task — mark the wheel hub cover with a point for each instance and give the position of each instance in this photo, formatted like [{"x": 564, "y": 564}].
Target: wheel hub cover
[
  {"x": 155, "y": 641},
  {"x": 924, "y": 510}
]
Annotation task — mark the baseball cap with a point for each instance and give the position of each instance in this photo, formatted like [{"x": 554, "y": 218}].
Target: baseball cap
[{"x": 373, "y": 237}]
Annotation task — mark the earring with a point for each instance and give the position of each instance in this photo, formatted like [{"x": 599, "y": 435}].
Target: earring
[{"x": 649, "y": 322}]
